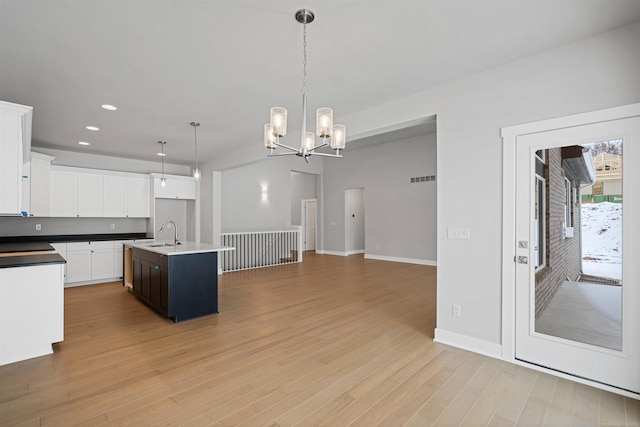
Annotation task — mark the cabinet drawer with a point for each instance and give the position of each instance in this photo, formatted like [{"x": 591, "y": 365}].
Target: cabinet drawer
[
  {"x": 150, "y": 257},
  {"x": 83, "y": 246}
]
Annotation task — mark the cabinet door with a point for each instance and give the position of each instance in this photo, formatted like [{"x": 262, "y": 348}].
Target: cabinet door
[
  {"x": 78, "y": 266},
  {"x": 186, "y": 189},
  {"x": 89, "y": 195},
  {"x": 64, "y": 193},
  {"x": 138, "y": 197},
  {"x": 168, "y": 191},
  {"x": 10, "y": 163},
  {"x": 40, "y": 186},
  {"x": 101, "y": 264},
  {"x": 61, "y": 248},
  {"x": 114, "y": 196}
]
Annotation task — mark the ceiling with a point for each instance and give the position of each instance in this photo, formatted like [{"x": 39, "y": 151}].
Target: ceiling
[{"x": 225, "y": 63}]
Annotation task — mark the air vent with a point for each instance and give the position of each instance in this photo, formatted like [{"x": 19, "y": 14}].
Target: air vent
[{"x": 428, "y": 178}]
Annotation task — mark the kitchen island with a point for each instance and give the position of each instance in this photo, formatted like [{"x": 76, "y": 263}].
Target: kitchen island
[{"x": 179, "y": 281}]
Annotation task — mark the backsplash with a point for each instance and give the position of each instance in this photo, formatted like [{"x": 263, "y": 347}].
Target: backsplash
[{"x": 19, "y": 226}]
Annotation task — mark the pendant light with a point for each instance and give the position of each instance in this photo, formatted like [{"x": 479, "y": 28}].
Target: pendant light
[
  {"x": 325, "y": 129},
  {"x": 163, "y": 180},
  {"x": 196, "y": 171}
]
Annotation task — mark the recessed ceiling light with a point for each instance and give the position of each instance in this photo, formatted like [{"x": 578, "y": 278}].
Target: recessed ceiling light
[
  {"x": 161, "y": 154},
  {"x": 83, "y": 143},
  {"x": 93, "y": 128},
  {"x": 109, "y": 107}
]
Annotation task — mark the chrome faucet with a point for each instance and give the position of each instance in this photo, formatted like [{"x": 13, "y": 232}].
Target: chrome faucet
[{"x": 175, "y": 228}]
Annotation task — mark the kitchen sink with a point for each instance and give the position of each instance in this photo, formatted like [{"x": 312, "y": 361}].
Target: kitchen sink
[{"x": 160, "y": 245}]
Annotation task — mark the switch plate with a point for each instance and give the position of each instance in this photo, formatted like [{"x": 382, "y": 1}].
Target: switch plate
[
  {"x": 113, "y": 226},
  {"x": 38, "y": 227},
  {"x": 459, "y": 233}
]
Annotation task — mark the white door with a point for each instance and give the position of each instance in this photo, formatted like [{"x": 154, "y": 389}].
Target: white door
[
  {"x": 310, "y": 215},
  {"x": 618, "y": 368}
]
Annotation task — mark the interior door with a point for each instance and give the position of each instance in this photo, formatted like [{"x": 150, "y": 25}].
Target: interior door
[
  {"x": 617, "y": 367},
  {"x": 310, "y": 215}
]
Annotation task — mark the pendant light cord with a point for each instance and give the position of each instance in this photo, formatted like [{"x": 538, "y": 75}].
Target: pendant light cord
[{"x": 304, "y": 58}]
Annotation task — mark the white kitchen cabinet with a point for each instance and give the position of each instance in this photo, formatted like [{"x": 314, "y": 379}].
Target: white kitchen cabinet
[
  {"x": 61, "y": 248},
  {"x": 40, "y": 184},
  {"x": 117, "y": 256},
  {"x": 89, "y": 195},
  {"x": 87, "y": 261},
  {"x": 31, "y": 311},
  {"x": 138, "y": 197},
  {"x": 78, "y": 263},
  {"x": 177, "y": 187},
  {"x": 114, "y": 196},
  {"x": 15, "y": 150},
  {"x": 64, "y": 193}
]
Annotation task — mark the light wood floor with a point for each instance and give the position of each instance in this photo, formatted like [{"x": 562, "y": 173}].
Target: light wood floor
[{"x": 332, "y": 341}]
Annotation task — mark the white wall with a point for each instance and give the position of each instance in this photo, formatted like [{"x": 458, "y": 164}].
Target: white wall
[
  {"x": 400, "y": 217},
  {"x": 595, "y": 73},
  {"x": 242, "y": 206},
  {"x": 303, "y": 186}
]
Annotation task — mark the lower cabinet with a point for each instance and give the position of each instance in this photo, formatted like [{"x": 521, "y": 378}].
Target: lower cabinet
[
  {"x": 180, "y": 287},
  {"x": 88, "y": 261},
  {"x": 151, "y": 279}
]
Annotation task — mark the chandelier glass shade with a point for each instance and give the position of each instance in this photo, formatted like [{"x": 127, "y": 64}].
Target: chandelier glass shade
[{"x": 330, "y": 134}]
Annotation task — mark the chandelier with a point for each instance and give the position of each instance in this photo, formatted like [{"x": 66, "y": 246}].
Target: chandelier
[{"x": 330, "y": 134}]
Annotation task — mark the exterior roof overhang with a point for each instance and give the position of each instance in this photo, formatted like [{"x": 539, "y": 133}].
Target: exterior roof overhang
[{"x": 578, "y": 165}]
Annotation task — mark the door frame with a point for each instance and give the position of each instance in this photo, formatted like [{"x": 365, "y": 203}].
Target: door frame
[
  {"x": 509, "y": 250},
  {"x": 303, "y": 221}
]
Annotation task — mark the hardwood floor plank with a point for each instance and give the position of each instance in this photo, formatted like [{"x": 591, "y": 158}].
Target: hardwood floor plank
[
  {"x": 562, "y": 404},
  {"x": 331, "y": 341}
]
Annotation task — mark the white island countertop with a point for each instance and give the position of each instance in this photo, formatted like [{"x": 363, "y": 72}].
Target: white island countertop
[{"x": 164, "y": 247}]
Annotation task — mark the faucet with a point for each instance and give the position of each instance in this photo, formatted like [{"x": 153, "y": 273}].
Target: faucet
[{"x": 175, "y": 228}]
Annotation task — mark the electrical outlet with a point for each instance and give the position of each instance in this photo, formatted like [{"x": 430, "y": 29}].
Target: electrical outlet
[
  {"x": 456, "y": 310},
  {"x": 460, "y": 233},
  {"x": 113, "y": 226},
  {"x": 38, "y": 227}
]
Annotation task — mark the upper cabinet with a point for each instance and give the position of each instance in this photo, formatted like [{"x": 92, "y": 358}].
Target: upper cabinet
[
  {"x": 138, "y": 197},
  {"x": 40, "y": 183},
  {"x": 94, "y": 193},
  {"x": 64, "y": 192},
  {"x": 15, "y": 149},
  {"x": 176, "y": 187},
  {"x": 114, "y": 196},
  {"x": 89, "y": 195}
]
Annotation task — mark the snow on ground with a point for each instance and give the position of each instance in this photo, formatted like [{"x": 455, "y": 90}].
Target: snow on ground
[{"x": 602, "y": 239}]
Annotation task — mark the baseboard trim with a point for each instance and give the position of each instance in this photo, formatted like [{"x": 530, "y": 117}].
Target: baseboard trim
[
  {"x": 331, "y": 253},
  {"x": 465, "y": 342},
  {"x": 405, "y": 260}
]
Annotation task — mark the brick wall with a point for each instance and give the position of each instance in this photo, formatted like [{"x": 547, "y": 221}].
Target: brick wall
[{"x": 563, "y": 258}]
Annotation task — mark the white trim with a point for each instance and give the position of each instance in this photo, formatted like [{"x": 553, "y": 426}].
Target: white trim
[
  {"x": 577, "y": 379},
  {"x": 322, "y": 252},
  {"x": 465, "y": 342},
  {"x": 405, "y": 260},
  {"x": 355, "y": 252}
]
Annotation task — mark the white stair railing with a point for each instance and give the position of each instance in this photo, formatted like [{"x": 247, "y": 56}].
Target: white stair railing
[{"x": 257, "y": 249}]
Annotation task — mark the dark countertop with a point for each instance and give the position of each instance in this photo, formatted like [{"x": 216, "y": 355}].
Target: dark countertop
[
  {"x": 30, "y": 260},
  {"x": 25, "y": 247},
  {"x": 74, "y": 238}
]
